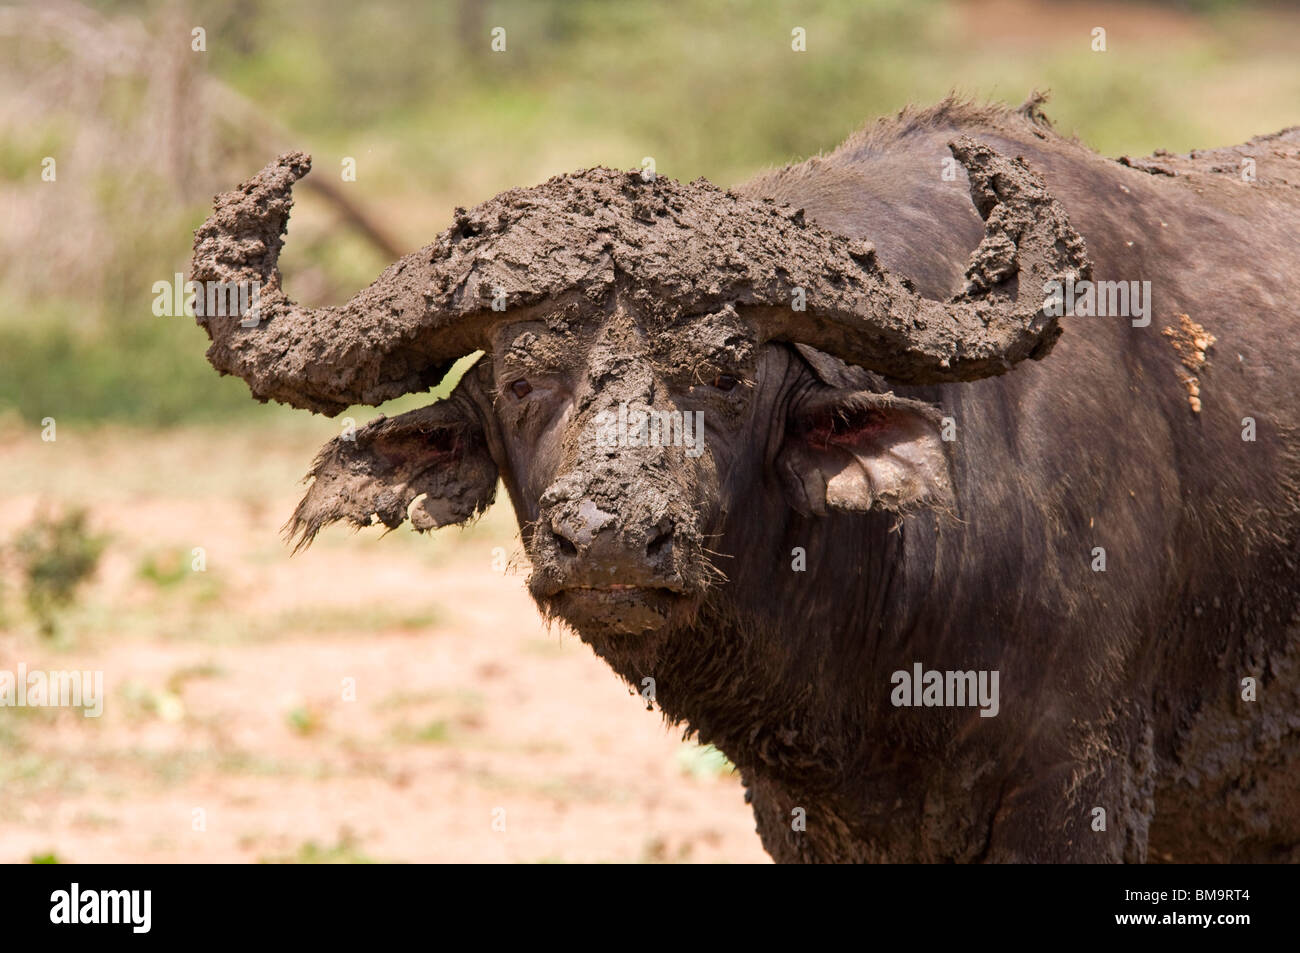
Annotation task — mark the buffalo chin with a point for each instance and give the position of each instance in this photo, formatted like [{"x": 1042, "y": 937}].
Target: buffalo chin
[{"x": 615, "y": 611}]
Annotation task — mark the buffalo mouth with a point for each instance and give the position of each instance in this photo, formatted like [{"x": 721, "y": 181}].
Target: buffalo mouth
[{"x": 616, "y": 608}]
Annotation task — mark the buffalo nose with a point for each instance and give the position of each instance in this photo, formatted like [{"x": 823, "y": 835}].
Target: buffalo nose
[{"x": 592, "y": 534}]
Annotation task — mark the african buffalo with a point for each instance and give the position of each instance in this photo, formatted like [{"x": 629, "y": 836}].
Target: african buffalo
[{"x": 936, "y": 600}]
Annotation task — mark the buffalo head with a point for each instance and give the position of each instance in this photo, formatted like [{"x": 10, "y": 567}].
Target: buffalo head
[{"x": 658, "y": 356}]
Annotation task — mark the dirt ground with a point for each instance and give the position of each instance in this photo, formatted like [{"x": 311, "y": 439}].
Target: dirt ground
[{"x": 477, "y": 734}]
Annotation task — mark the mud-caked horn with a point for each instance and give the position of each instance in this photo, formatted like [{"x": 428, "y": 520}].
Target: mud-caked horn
[
  {"x": 865, "y": 315},
  {"x": 677, "y": 249},
  {"x": 383, "y": 343}
]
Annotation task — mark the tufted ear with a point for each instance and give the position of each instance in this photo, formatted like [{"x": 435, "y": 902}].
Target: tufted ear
[
  {"x": 851, "y": 450},
  {"x": 431, "y": 466}
]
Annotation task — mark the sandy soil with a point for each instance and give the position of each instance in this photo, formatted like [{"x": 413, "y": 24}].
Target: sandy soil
[{"x": 476, "y": 733}]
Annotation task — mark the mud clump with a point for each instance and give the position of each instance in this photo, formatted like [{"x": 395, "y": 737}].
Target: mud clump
[{"x": 1191, "y": 342}]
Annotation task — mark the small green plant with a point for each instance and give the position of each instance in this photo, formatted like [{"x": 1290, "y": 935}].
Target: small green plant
[
  {"x": 703, "y": 762},
  {"x": 435, "y": 732},
  {"x": 56, "y": 554},
  {"x": 50, "y": 858},
  {"x": 165, "y": 568},
  {"x": 304, "y": 720}
]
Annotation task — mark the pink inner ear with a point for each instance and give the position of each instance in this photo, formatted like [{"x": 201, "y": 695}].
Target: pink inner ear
[
  {"x": 857, "y": 451},
  {"x": 846, "y": 426}
]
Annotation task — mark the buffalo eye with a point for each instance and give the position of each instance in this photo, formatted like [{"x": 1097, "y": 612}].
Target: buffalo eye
[
  {"x": 725, "y": 382},
  {"x": 521, "y": 388}
]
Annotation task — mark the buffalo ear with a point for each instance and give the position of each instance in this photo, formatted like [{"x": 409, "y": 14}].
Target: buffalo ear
[
  {"x": 855, "y": 450},
  {"x": 436, "y": 457}
]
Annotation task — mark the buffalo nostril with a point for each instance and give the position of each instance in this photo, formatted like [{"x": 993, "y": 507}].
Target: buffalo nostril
[
  {"x": 659, "y": 543},
  {"x": 565, "y": 545}
]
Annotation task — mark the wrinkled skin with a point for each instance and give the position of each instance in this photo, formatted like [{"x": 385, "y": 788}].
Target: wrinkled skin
[{"x": 828, "y": 535}]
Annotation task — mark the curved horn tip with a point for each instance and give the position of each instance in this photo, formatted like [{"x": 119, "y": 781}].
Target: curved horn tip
[
  {"x": 967, "y": 149},
  {"x": 264, "y": 197},
  {"x": 275, "y": 181},
  {"x": 284, "y": 170},
  {"x": 995, "y": 177}
]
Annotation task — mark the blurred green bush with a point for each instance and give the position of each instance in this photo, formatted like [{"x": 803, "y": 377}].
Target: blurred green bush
[{"x": 57, "y": 554}]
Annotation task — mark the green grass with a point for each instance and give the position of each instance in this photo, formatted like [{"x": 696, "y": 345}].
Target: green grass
[
  {"x": 345, "y": 851},
  {"x": 141, "y": 369},
  {"x": 435, "y": 732},
  {"x": 351, "y": 620},
  {"x": 134, "y": 368},
  {"x": 166, "y": 568}
]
